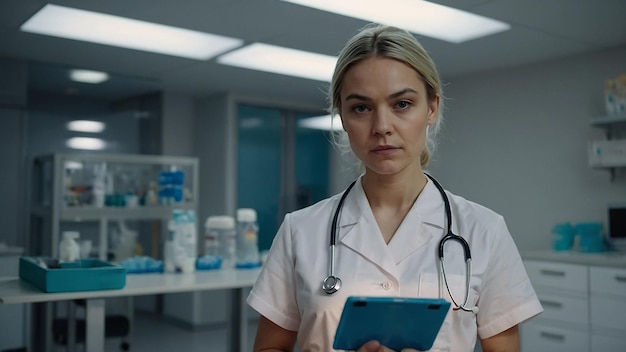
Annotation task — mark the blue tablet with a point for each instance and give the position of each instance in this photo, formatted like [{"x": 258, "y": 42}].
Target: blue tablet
[{"x": 396, "y": 322}]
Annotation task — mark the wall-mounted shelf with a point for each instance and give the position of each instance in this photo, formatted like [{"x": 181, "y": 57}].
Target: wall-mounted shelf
[{"x": 609, "y": 154}]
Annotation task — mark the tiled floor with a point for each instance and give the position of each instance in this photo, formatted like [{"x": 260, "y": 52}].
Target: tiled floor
[{"x": 156, "y": 334}]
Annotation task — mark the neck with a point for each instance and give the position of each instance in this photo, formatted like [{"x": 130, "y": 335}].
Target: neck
[{"x": 393, "y": 191}]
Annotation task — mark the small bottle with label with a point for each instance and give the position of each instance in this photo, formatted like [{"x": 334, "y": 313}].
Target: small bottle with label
[
  {"x": 247, "y": 239},
  {"x": 219, "y": 239}
]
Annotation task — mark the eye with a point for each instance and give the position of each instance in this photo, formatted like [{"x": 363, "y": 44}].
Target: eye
[
  {"x": 403, "y": 104},
  {"x": 360, "y": 109}
]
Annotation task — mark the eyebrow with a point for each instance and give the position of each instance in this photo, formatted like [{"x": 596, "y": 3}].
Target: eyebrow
[{"x": 394, "y": 95}]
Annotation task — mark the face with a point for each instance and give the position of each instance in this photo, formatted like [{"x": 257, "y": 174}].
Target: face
[{"x": 385, "y": 111}]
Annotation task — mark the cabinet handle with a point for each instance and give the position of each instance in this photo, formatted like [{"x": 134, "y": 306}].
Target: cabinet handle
[
  {"x": 551, "y": 304},
  {"x": 620, "y": 278},
  {"x": 552, "y": 272},
  {"x": 552, "y": 336}
]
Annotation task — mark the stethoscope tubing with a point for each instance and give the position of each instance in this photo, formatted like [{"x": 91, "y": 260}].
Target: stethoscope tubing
[{"x": 332, "y": 283}]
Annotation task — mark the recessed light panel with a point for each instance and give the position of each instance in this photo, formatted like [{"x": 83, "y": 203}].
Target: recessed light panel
[
  {"x": 86, "y": 143},
  {"x": 86, "y": 126},
  {"x": 88, "y": 76},
  {"x": 417, "y": 16},
  {"x": 286, "y": 61},
  {"x": 70, "y": 23}
]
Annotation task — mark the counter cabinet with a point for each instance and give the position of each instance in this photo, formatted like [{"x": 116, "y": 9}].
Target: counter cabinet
[{"x": 583, "y": 307}]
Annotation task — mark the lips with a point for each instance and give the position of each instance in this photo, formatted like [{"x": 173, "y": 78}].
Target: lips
[{"x": 384, "y": 149}]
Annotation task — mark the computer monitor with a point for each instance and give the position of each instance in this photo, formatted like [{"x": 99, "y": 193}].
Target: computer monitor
[{"x": 617, "y": 226}]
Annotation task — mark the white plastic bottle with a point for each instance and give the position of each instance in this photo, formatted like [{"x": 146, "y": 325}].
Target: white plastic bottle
[
  {"x": 185, "y": 240},
  {"x": 247, "y": 239},
  {"x": 220, "y": 240},
  {"x": 69, "y": 250}
]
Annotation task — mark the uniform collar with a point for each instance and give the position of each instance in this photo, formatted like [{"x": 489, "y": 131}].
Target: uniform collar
[
  {"x": 429, "y": 206},
  {"x": 359, "y": 231}
]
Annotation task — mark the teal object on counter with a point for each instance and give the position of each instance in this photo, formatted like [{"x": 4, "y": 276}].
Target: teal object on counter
[
  {"x": 591, "y": 238},
  {"x": 83, "y": 275},
  {"x": 563, "y": 237}
]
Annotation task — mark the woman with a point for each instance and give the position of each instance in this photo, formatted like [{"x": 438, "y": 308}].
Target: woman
[{"x": 387, "y": 91}]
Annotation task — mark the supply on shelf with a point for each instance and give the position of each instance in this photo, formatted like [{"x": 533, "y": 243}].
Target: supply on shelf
[
  {"x": 142, "y": 265},
  {"x": 181, "y": 245},
  {"x": 171, "y": 186},
  {"x": 247, "y": 239},
  {"x": 220, "y": 239},
  {"x": 69, "y": 251},
  {"x": 615, "y": 95}
]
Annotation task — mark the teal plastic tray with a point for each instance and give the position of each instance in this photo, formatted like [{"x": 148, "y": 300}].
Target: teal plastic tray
[{"x": 83, "y": 275}]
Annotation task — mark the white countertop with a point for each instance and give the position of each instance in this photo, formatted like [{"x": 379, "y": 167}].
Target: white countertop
[
  {"x": 15, "y": 290},
  {"x": 10, "y": 251},
  {"x": 611, "y": 259}
]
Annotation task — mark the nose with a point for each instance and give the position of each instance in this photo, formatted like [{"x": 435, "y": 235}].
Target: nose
[{"x": 381, "y": 123}]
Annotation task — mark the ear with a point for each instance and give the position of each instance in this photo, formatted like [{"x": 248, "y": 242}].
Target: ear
[
  {"x": 433, "y": 110},
  {"x": 342, "y": 125}
]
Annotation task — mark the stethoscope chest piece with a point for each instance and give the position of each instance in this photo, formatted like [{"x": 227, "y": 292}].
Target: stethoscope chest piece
[{"x": 331, "y": 284}]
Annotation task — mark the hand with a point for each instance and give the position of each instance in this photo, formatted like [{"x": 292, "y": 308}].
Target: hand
[{"x": 375, "y": 346}]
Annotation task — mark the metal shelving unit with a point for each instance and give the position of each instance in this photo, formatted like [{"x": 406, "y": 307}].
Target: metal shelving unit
[{"x": 66, "y": 185}]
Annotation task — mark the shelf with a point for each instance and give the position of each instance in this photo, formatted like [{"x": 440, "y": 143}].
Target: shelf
[
  {"x": 606, "y": 121},
  {"x": 121, "y": 213}
]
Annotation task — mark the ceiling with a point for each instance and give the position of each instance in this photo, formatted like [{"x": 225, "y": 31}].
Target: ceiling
[{"x": 541, "y": 30}]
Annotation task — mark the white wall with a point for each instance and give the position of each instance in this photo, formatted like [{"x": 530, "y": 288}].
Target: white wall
[
  {"x": 12, "y": 124},
  {"x": 178, "y": 125},
  {"x": 515, "y": 141}
]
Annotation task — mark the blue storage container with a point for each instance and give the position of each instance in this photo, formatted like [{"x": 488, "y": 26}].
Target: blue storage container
[
  {"x": 591, "y": 238},
  {"x": 563, "y": 237},
  {"x": 83, "y": 275}
]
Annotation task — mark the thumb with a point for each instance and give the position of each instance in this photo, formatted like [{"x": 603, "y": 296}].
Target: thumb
[{"x": 371, "y": 346}]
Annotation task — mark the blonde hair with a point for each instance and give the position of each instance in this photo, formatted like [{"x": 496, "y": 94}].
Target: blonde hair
[{"x": 394, "y": 43}]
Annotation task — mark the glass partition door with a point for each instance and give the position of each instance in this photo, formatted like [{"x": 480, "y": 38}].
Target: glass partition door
[{"x": 282, "y": 166}]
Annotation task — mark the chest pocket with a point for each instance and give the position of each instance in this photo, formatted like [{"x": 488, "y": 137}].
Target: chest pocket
[{"x": 431, "y": 287}]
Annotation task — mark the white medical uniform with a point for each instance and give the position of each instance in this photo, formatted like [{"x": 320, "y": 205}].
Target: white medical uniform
[{"x": 288, "y": 291}]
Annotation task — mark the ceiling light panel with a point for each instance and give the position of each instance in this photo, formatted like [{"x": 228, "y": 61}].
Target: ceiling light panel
[
  {"x": 70, "y": 23},
  {"x": 87, "y": 126},
  {"x": 86, "y": 143},
  {"x": 417, "y": 16},
  {"x": 286, "y": 61},
  {"x": 88, "y": 76}
]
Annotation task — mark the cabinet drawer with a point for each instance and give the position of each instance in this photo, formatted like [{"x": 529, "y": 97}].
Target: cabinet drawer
[
  {"x": 608, "y": 280},
  {"x": 558, "y": 275},
  {"x": 564, "y": 308},
  {"x": 607, "y": 343},
  {"x": 608, "y": 313},
  {"x": 538, "y": 337}
]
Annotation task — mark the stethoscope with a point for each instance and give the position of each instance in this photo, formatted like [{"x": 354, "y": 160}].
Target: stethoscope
[{"x": 332, "y": 283}]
